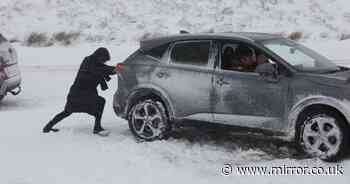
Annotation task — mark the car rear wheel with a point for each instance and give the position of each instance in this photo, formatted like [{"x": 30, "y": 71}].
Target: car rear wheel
[
  {"x": 2, "y": 97},
  {"x": 148, "y": 120},
  {"x": 323, "y": 134}
]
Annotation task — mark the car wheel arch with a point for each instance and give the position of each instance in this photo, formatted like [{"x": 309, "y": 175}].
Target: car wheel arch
[
  {"x": 143, "y": 93},
  {"x": 304, "y": 105}
]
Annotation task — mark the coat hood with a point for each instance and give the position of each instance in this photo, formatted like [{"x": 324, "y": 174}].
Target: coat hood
[{"x": 101, "y": 55}]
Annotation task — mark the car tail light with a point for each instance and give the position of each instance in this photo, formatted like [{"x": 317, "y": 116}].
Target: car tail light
[{"x": 120, "y": 68}]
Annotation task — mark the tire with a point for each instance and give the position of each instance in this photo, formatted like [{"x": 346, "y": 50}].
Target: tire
[
  {"x": 149, "y": 125},
  {"x": 2, "y": 97},
  {"x": 323, "y": 133}
]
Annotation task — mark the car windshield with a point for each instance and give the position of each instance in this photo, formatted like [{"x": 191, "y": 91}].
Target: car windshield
[{"x": 300, "y": 57}]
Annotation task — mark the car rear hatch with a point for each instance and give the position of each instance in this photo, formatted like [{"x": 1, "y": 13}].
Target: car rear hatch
[
  {"x": 9, "y": 70},
  {"x": 8, "y": 59}
]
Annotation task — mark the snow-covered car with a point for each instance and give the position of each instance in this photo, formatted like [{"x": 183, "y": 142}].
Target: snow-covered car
[
  {"x": 286, "y": 90},
  {"x": 10, "y": 77}
]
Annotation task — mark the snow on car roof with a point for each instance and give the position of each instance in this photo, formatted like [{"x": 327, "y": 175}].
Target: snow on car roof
[{"x": 148, "y": 44}]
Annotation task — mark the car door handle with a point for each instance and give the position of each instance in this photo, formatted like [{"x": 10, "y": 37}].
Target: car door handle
[{"x": 222, "y": 82}]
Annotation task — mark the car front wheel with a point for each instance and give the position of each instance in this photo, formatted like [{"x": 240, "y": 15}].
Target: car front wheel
[
  {"x": 148, "y": 120},
  {"x": 324, "y": 134}
]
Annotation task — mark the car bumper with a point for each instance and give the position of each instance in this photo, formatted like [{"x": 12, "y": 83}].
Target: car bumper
[
  {"x": 119, "y": 104},
  {"x": 119, "y": 111},
  {"x": 12, "y": 85}
]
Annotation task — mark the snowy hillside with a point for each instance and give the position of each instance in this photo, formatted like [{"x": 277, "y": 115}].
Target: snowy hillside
[{"x": 124, "y": 20}]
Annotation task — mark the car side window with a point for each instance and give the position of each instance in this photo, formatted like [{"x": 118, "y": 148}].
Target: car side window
[
  {"x": 242, "y": 58},
  {"x": 191, "y": 53}
]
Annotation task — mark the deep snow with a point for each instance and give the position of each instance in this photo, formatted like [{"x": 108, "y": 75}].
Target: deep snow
[{"x": 76, "y": 156}]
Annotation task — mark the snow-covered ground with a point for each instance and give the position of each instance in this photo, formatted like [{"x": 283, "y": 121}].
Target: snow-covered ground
[{"x": 74, "y": 155}]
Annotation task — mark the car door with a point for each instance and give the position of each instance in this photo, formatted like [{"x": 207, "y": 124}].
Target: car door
[
  {"x": 186, "y": 78},
  {"x": 244, "y": 99}
]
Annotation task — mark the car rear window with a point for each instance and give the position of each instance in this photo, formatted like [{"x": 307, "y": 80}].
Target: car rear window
[
  {"x": 191, "y": 53},
  {"x": 157, "y": 52},
  {"x": 2, "y": 39}
]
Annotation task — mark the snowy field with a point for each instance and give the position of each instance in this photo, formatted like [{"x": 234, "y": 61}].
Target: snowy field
[
  {"x": 75, "y": 156},
  {"x": 124, "y": 20}
]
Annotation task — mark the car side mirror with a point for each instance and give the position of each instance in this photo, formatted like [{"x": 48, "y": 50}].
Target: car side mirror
[{"x": 268, "y": 72}]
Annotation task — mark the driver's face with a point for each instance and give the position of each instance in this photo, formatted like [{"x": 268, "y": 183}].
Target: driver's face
[
  {"x": 248, "y": 60},
  {"x": 261, "y": 58}
]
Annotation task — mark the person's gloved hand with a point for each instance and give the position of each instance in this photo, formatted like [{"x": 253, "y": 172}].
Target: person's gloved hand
[
  {"x": 103, "y": 85},
  {"x": 107, "y": 78}
]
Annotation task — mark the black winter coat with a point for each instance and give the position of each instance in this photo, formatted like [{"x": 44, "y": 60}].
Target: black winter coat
[{"x": 83, "y": 96}]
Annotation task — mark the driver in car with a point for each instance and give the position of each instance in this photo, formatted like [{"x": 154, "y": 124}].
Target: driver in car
[
  {"x": 260, "y": 58},
  {"x": 247, "y": 61}
]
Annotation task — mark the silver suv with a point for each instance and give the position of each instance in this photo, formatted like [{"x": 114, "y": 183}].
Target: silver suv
[
  {"x": 10, "y": 77},
  {"x": 249, "y": 80}
]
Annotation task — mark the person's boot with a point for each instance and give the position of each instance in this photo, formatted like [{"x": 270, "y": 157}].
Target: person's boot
[
  {"x": 98, "y": 130},
  {"x": 48, "y": 129},
  {"x": 101, "y": 132}
]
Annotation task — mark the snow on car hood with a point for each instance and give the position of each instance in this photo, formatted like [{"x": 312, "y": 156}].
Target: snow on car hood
[{"x": 342, "y": 76}]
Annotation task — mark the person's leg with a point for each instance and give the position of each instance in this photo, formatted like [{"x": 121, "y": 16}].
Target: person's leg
[
  {"x": 99, "y": 111},
  {"x": 59, "y": 117}
]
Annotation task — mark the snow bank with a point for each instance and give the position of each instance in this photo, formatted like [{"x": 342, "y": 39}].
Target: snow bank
[{"x": 66, "y": 57}]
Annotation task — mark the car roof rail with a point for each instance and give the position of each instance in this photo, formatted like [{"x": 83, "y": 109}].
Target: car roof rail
[{"x": 184, "y": 32}]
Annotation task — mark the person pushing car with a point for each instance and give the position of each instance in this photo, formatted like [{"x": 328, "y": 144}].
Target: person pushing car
[{"x": 83, "y": 96}]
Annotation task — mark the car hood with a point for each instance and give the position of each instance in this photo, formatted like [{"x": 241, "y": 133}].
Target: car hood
[{"x": 337, "y": 78}]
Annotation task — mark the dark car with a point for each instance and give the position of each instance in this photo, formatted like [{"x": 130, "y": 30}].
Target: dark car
[
  {"x": 249, "y": 80},
  {"x": 10, "y": 77}
]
